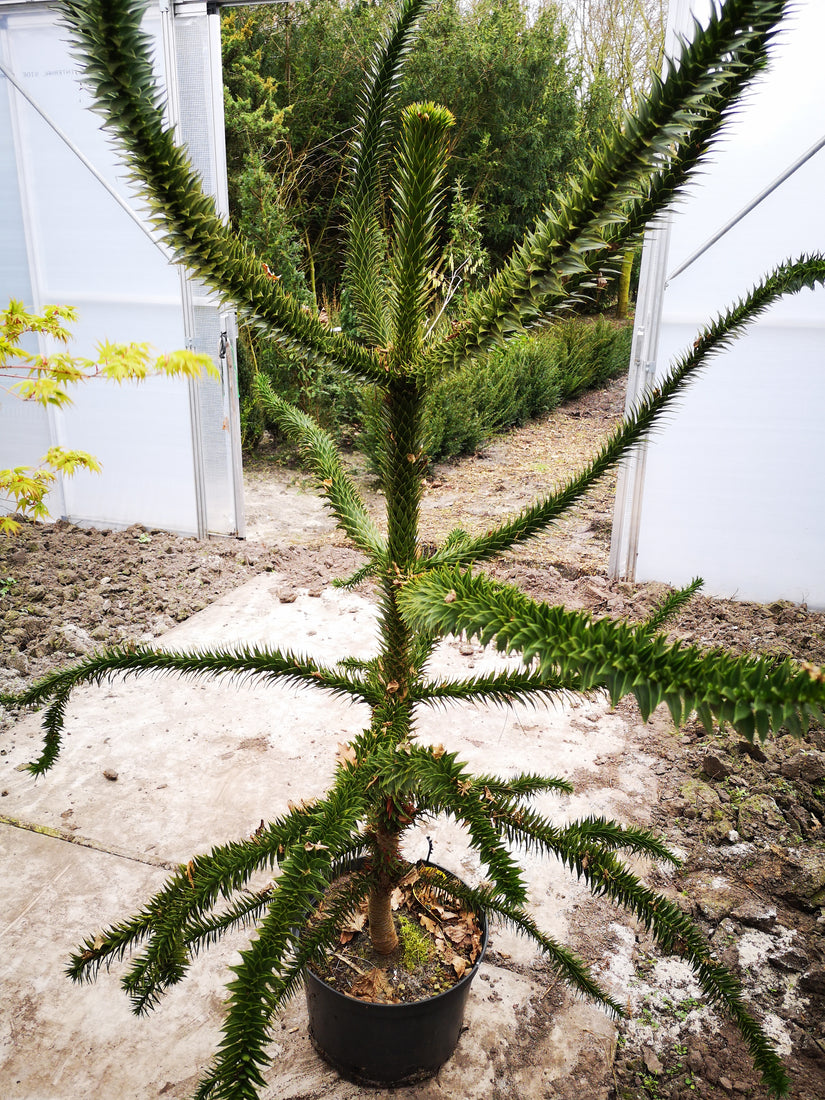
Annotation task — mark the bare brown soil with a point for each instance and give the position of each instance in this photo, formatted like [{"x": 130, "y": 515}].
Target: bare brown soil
[{"x": 749, "y": 821}]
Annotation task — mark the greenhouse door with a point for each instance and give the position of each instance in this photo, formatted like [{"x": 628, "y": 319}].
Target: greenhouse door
[
  {"x": 74, "y": 232},
  {"x": 731, "y": 487}
]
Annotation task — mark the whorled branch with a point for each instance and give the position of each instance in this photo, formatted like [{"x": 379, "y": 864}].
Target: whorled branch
[
  {"x": 271, "y": 971},
  {"x": 116, "y": 55},
  {"x": 179, "y": 917},
  {"x": 564, "y": 962},
  {"x": 254, "y": 663},
  {"x": 753, "y": 694},
  {"x": 333, "y": 482},
  {"x": 367, "y": 242},
  {"x": 625, "y": 186}
]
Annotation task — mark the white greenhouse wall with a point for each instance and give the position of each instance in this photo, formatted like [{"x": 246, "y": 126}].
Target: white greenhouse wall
[
  {"x": 169, "y": 447},
  {"x": 731, "y": 487}
]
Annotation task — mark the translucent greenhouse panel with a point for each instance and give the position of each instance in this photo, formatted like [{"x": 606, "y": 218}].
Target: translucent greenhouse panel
[
  {"x": 200, "y": 117},
  {"x": 25, "y": 430},
  {"x": 168, "y": 459},
  {"x": 14, "y": 270},
  {"x": 147, "y": 460},
  {"x": 730, "y": 489}
]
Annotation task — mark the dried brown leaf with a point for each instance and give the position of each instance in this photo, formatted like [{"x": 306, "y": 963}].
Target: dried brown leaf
[
  {"x": 346, "y": 755},
  {"x": 355, "y": 921},
  {"x": 304, "y": 804},
  {"x": 428, "y": 923},
  {"x": 397, "y": 898},
  {"x": 372, "y": 985},
  {"x": 412, "y": 876}
]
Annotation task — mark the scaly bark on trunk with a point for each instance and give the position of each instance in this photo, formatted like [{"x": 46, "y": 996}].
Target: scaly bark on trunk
[
  {"x": 383, "y": 935},
  {"x": 382, "y": 926}
]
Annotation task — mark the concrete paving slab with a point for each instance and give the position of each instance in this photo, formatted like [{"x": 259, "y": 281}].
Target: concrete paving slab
[{"x": 198, "y": 764}]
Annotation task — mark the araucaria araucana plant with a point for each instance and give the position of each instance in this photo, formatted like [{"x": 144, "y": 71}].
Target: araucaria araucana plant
[{"x": 387, "y": 779}]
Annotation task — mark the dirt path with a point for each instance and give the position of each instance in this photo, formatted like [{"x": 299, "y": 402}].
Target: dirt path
[{"x": 749, "y": 822}]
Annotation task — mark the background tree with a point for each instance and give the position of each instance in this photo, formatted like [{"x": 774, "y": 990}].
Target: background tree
[
  {"x": 510, "y": 82},
  {"x": 466, "y": 260},
  {"x": 508, "y": 77},
  {"x": 308, "y": 62},
  {"x": 257, "y": 148},
  {"x": 620, "y": 41},
  {"x": 262, "y": 186},
  {"x": 620, "y": 47},
  {"x": 293, "y": 74}
]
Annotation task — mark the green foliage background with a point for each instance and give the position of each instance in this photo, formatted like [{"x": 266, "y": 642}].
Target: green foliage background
[
  {"x": 292, "y": 74},
  {"x": 529, "y": 377}
]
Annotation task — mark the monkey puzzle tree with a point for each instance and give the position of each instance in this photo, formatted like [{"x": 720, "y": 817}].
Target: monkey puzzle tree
[{"x": 386, "y": 779}]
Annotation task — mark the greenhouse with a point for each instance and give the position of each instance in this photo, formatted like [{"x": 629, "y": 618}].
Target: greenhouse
[
  {"x": 75, "y": 232},
  {"x": 731, "y": 489}
]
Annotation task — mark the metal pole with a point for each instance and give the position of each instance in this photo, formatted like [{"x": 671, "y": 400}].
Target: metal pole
[
  {"x": 170, "y": 60},
  {"x": 763, "y": 194}
]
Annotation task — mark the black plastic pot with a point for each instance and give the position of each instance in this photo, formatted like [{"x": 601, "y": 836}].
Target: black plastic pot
[{"x": 387, "y": 1045}]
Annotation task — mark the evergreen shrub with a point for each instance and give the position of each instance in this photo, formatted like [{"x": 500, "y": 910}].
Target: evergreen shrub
[{"x": 523, "y": 380}]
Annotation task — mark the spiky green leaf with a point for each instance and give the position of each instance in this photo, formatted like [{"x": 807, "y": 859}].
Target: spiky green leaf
[{"x": 750, "y": 693}]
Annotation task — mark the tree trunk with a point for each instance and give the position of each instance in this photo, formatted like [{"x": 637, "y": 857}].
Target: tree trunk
[
  {"x": 311, "y": 267},
  {"x": 383, "y": 936},
  {"x": 624, "y": 285}
]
